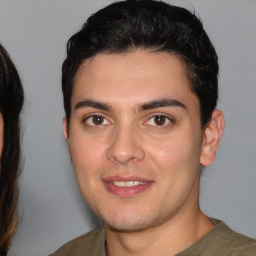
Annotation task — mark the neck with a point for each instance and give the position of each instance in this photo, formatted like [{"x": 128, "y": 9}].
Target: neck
[{"x": 164, "y": 240}]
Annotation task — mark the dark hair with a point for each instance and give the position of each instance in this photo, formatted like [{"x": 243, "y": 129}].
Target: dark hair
[
  {"x": 11, "y": 101},
  {"x": 151, "y": 25}
]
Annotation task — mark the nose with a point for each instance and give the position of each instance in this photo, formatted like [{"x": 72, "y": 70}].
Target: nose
[{"x": 126, "y": 146}]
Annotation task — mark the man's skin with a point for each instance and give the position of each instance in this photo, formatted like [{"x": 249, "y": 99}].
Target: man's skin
[{"x": 134, "y": 118}]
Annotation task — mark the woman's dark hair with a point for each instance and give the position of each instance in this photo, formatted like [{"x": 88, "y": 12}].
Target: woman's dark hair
[
  {"x": 151, "y": 25},
  {"x": 11, "y": 101}
]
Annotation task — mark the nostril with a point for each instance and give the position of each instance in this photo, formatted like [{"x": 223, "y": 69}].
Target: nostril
[{"x": 125, "y": 152}]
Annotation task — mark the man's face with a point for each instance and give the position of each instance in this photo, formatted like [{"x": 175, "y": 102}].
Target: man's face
[{"x": 135, "y": 138}]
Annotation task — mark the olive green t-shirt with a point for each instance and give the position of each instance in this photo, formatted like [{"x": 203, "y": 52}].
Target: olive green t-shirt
[{"x": 220, "y": 241}]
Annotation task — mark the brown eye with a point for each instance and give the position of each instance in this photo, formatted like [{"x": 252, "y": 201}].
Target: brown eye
[
  {"x": 97, "y": 120},
  {"x": 160, "y": 120}
]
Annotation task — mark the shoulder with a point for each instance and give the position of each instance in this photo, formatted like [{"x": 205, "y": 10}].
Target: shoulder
[
  {"x": 226, "y": 240},
  {"x": 91, "y": 244},
  {"x": 222, "y": 240},
  {"x": 240, "y": 244},
  {"x": 251, "y": 250}
]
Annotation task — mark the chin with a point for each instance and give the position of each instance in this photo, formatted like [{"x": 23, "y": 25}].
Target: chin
[
  {"x": 126, "y": 227},
  {"x": 128, "y": 223}
]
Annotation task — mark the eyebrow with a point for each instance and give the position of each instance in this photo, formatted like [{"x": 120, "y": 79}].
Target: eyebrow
[
  {"x": 93, "y": 104},
  {"x": 143, "y": 107},
  {"x": 161, "y": 103}
]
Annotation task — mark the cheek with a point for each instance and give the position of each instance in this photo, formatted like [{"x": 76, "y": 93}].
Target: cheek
[
  {"x": 180, "y": 151},
  {"x": 167, "y": 152},
  {"x": 86, "y": 154}
]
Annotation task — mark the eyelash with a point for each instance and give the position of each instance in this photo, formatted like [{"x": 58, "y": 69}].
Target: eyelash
[
  {"x": 167, "y": 120},
  {"x": 85, "y": 120}
]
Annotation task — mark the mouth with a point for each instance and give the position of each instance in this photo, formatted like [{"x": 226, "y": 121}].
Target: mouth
[
  {"x": 130, "y": 183},
  {"x": 126, "y": 186}
]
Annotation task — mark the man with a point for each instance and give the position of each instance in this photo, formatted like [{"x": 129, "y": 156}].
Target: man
[{"x": 140, "y": 89}]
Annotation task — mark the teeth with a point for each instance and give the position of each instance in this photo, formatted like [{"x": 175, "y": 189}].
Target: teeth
[{"x": 130, "y": 183}]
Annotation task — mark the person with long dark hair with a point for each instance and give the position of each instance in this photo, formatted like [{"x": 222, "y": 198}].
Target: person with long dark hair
[{"x": 11, "y": 101}]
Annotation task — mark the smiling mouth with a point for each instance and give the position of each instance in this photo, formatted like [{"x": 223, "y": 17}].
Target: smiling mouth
[
  {"x": 130, "y": 183},
  {"x": 126, "y": 187}
]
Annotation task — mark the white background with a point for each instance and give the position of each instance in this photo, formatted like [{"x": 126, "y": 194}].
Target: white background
[{"x": 35, "y": 34}]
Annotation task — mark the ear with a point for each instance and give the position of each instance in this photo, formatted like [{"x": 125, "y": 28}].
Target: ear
[
  {"x": 65, "y": 127},
  {"x": 212, "y": 136}
]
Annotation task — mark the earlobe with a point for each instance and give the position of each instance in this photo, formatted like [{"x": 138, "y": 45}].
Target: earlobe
[
  {"x": 212, "y": 136},
  {"x": 65, "y": 127}
]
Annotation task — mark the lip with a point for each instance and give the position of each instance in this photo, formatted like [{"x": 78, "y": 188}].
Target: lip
[{"x": 126, "y": 191}]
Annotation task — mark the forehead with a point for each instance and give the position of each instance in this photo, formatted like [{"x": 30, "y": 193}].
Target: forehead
[{"x": 132, "y": 77}]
